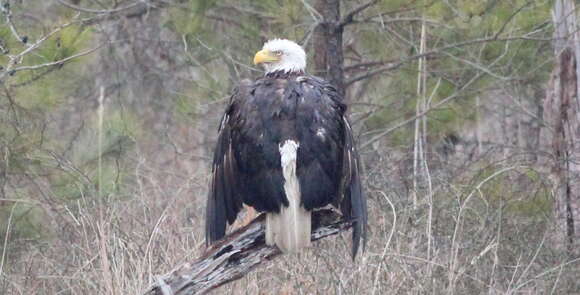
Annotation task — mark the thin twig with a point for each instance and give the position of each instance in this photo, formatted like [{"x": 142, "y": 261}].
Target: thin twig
[
  {"x": 6, "y": 236},
  {"x": 387, "y": 244}
]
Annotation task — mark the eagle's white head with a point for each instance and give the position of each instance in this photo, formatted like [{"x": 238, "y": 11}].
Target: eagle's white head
[{"x": 281, "y": 55}]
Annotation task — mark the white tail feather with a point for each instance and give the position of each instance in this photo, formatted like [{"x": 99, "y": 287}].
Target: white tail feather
[{"x": 290, "y": 228}]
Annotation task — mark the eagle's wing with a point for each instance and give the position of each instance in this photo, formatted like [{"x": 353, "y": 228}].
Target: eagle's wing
[
  {"x": 224, "y": 202},
  {"x": 329, "y": 106},
  {"x": 354, "y": 204}
]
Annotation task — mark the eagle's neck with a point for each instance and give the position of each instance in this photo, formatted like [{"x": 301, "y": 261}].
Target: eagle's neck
[{"x": 282, "y": 74}]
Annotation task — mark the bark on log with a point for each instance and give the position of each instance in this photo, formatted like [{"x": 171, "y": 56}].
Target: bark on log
[{"x": 236, "y": 255}]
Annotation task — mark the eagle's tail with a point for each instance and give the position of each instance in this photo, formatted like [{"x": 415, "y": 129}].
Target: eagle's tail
[{"x": 290, "y": 228}]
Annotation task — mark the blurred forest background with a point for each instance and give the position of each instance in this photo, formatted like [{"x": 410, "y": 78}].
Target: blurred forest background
[{"x": 466, "y": 115}]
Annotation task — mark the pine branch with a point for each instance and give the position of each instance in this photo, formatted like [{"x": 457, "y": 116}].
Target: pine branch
[{"x": 235, "y": 256}]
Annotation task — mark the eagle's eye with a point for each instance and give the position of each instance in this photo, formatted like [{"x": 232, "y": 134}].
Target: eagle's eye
[{"x": 278, "y": 52}]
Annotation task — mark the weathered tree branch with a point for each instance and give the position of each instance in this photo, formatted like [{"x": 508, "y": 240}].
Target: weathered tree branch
[{"x": 235, "y": 256}]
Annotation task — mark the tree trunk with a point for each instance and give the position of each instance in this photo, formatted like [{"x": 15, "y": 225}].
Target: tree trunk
[
  {"x": 327, "y": 41},
  {"x": 562, "y": 116}
]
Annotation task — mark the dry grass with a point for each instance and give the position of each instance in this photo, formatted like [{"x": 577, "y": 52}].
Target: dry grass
[
  {"x": 471, "y": 225},
  {"x": 485, "y": 237}
]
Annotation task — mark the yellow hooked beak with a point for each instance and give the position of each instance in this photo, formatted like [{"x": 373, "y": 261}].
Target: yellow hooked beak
[{"x": 264, "y": 56}]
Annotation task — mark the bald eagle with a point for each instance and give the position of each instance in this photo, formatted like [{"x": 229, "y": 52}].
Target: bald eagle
[{"x": 285, "y": 147}]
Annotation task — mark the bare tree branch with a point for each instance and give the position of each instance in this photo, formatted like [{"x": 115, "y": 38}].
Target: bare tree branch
[
  {"x": 5, "y": 8},
  {"x": 394, "y": 65},
  {"x": 58, "y": 62},
  {"x": 366, "y": 65},
  {"x": 435, "y": 106},
  {"x": 235, "y": 256},
  {"x": 349, "y": 17},
  {"x": 101, "y": 11},
  {"x": 130, "y": 11},
  {"x": 14, "y": 60}
]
